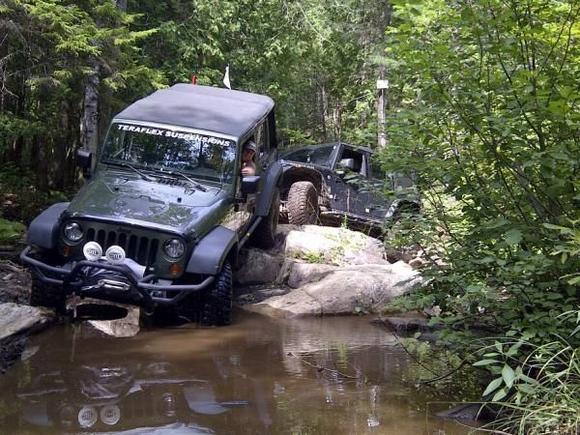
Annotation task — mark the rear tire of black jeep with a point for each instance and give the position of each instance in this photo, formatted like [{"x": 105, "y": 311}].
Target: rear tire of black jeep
[
  {"x": 216, "y": 309},
  {"x": 47, "y": 295},
  {"x": 265, "y": 234},
  {"x": 302, "y": 203}
]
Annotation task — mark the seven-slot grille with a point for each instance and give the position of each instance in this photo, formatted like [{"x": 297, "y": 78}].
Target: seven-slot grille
[{"x": 142, "y": 249}]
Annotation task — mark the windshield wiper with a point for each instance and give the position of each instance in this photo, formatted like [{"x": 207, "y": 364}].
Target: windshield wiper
[
  {"x": 195, "y": 184},
  {"x": 127, "y": 165}
]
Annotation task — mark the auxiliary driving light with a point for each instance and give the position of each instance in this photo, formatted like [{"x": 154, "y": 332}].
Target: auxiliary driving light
[
  {"x": 115, "y": 254},
  {"x": 92, "y": 251}
]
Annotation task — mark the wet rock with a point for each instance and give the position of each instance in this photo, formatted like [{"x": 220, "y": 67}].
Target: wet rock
[
  {"x": 11, "y": 350},
  {"x": 250, "y": 295},
  {"x": 114, "y": 319},
  {"x": 346, "y": 290},
  {"x": 406, "y": 325},
  {"x": 300, "y": 274},
  {"x": 16, "y": 322},
  {"x": 417, "y": 263},
  {"x": 469, "y": 412},
  {"x": 258, "y": 267},
  {"x": 19, "y": 319}
]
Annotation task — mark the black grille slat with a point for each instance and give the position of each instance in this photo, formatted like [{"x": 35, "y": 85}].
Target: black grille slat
[
  {"x": 153, "y": 247},
  {"x": 101, "y": 238},
  {"x": 132, "y": 250},
  {"x": 123, "y": 241},
  {"x": 111, "y": 238},
  {"x": 142, "y": 252}
]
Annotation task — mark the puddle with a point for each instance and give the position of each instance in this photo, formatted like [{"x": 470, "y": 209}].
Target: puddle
[{"x": 316, "y": 376}]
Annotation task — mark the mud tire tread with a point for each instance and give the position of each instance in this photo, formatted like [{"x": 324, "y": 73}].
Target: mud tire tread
[
  {"x": 217, "y": 306},
  {"x": 265, "y": 234},
  {"x": 302, "y": 203}
]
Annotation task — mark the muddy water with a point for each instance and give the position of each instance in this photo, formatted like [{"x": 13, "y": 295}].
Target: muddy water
[{"x": 330, "y": 376}]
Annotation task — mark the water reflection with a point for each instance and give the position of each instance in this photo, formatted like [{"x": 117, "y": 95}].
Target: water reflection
[{"x": 257, "y": 376}]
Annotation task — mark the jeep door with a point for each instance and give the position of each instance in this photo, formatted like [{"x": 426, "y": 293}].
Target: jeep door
[
  {"x": 243, "y": 211},
  {"x": 353, "y": 189}
]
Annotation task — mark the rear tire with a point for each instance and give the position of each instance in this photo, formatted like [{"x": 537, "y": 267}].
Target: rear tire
[
  {"x": 217, "y": 305},
  {"x": 47, "y": 295},
  {"x": 265, "y": 234},
  {"x": 302, "y": 203}
]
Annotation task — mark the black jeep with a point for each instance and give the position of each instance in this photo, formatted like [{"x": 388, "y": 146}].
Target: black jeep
[
  {"x": 165, "y": 211},
  {"x": 340, "y": 183}
]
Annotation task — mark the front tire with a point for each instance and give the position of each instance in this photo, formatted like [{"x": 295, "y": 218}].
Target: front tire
[
  {"x": 302, "y": 203},
  {"x": 47, "y": 295},
  {"x": 217, "y": 305},
  {"x": 265, "y": 234}
]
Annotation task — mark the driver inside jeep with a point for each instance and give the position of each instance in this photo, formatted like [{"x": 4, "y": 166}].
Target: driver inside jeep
[{"x": 248, "y": 154}]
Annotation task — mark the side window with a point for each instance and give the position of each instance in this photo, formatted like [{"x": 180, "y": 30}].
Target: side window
[
  {"x": 261, "y": 138},
  {"x": 262, "y": 143},
  {"x": 353, "y": 161}
]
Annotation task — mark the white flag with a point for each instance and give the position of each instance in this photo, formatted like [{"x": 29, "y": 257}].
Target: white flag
[{"x": 227, "y": 78}]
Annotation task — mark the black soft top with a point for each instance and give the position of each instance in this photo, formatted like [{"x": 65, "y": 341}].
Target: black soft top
[{"x": 217, "y": 110}]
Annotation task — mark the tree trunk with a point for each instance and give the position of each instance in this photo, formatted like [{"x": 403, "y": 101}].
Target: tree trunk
[
  {"x": 90, "y": 113},
  {"x": 381, "y": 118}
]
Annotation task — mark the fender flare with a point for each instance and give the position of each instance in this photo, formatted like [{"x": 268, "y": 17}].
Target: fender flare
[
  {"x": 43, "y": 230},
  {"x": 210, "y": 253},
  {"x": 271, "y": 183}
]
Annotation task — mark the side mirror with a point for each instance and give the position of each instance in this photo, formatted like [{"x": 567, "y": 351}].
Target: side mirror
[
  {"x": 85, "y": 162},
  {"x": 250, "y": 184},
  {"x": 84, "y": 159},
  {"x": 347, "y": 163}
]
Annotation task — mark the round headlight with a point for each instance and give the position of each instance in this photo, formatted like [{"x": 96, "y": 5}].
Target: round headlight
[
  {"x": 174, "y": 248},
  {"x": 73, "y": 232}
]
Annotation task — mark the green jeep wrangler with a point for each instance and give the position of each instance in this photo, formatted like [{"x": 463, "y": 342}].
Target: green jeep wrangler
[{"x": 166, "y": 210}]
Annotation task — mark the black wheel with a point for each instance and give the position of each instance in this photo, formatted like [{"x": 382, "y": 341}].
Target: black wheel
[
  {"x": 302, "y": 203},
  {"x": 265, "y": 234},
  {"x": 46, "y": 295},
  {"x": 216, "y": 307}
]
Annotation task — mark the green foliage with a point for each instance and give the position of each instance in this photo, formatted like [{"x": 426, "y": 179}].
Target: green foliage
[
  {"x": 495, "y": 156},
  {"x": 486, "y": 110},
  {"x": 10, "y": 231},
  {"x": 536, "y": 385}
]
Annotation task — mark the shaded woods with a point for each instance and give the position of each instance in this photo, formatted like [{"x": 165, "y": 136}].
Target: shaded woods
[
  {"x": 67, "y": 67},
  {"x": 482, "y": 105}
]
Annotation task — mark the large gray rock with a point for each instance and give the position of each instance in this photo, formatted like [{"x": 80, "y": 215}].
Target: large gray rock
[
  {"x": 343, "y": 291},
  {"x": 329, "y": 245},
  {"x": 259, "y": 267},
  {"x": 18, "y": 319},
  {"x": 111, "y": 318},
  {"x": 300, "y": 274}
]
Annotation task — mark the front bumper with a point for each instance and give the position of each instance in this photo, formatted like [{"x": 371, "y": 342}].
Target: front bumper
[{"x": 129, "y": 288}]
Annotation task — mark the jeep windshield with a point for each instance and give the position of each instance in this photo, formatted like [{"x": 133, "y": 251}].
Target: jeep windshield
[
  {"x": 160, "y": 149},
  {"x": 321, "y": 156}
]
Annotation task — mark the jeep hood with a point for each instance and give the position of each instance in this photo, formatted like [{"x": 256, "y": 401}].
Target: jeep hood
[{"x": 123, "y": 198}]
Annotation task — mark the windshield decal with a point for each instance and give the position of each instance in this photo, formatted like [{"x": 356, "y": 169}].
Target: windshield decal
[{"x": 175, "y": 134}]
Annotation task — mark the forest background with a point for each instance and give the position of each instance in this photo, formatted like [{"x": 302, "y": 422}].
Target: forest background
[{"x": 482, "y": 104}]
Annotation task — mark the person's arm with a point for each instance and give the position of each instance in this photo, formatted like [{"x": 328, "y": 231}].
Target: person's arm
[{"x": 249, "y": 169}]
